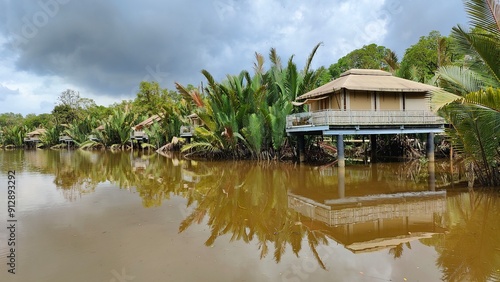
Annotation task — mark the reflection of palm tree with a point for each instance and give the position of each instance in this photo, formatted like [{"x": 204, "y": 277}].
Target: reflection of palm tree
[
  {"x": 397, "y": 251},
  {"x": 469, "y": 252},
  {"x": 252, "y": 206}
]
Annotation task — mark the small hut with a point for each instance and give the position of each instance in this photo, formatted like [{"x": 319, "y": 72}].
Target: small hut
[
  {"x": 188, "y": 130},
  {"x": 138, "y": 130},
  {"x": 32, "y": 138}
]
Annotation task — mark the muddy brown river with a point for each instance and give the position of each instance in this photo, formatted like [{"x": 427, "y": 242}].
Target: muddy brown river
[{"x": 133, "y": 216}]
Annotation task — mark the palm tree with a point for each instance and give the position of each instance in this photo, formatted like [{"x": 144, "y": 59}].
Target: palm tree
[
  {"x": 117, "y": 128},
  {"x": 79, "y": 130},
  {"x": 471, "y": 103},
  {"x": 13, "y": 136},
  {"x": 245, "y": 115}
]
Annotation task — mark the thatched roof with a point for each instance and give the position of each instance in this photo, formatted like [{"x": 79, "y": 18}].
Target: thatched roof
[
  {"x": 147, "y": 122},
  {"x": 38, "y": 131},
  {"x": 368, "y": 80}
]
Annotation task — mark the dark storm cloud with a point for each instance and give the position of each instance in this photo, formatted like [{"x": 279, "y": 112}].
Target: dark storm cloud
[
  {"x": 108, "y": 47},
  {"x": 408, "y": 20}
]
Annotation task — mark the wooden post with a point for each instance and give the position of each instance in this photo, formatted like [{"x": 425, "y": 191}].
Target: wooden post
[{"x": 340, "y": 150}]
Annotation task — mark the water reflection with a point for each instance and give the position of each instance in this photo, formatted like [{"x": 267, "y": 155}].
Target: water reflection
[
  {"x": 382, "y": 207},
  {"x": 470, "y": 251}
]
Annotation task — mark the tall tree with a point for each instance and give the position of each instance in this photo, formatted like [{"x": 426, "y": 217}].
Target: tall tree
[
  {"x": 71, "y": 107},
  {"x": 420, "y": 60},
  {"x": 10, "y": 119},
  {"x": 368, "y": 57}
]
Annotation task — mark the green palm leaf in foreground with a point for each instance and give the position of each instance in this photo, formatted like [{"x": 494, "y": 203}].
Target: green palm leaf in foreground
[{"x": 473, "y": 111}]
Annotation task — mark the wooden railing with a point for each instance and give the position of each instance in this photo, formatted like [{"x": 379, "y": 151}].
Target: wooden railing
[
  {"x": 335, "y": 117},
  {"x": 187, "y": 130},
  {"x": 138, "y": 134}
]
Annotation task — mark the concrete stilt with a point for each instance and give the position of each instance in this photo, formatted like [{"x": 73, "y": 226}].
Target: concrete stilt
[
  {"x": 430, "y": 157},
  {"x": 432, "y": 176},
  {"x": 301, "y": 150},
  {"x": 340, "y": 150},
  {"x": 430, "y": 146},
  {"x": 373, "y": 148},
  {"x": 341, "y": 182}
]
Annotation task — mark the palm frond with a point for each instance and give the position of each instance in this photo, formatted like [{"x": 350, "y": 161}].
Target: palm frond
[
  {"x": 485, "y": 14},
  {"x": 201, "y": 147},
  {"x": 258, "y": 65},
  {"x": 482, "y": 46},
  {"x": 311, "y": 57},
  {"x": 486, "y": 99},
  {"x": 190, "y": 95},
  {"x": 391, "y": 59},
  {"x": 275, "y": 59},
  {"x": 441, "y": 98},
  {"x": 459, "y": 80}
]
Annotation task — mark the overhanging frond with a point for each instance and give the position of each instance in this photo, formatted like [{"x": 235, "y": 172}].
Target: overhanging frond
[
  {"x": 485, "y": 14},
  {"x": 441, "y": 98},
  {"x": 459, "y": 80}
]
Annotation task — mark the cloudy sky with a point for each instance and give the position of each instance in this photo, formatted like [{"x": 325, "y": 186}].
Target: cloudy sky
[{"x": 103, "y": 49}]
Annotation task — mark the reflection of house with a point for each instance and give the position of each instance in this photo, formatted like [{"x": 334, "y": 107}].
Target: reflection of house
[
  {"x": 139, "y": 163},
  {"x": 188, "y": 130},
  {"x": 33, "y": 137},
  {"x": 375, "y": 222},
  {"x": 366, "y": 102},
  {"x": 138, "y": 130},
  {"x": 187, "y": 172}
]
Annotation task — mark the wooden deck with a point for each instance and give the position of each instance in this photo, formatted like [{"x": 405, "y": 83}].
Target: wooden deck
[
  {"x": 362, "y": 118},
  {"x": 138, "y": 135}
]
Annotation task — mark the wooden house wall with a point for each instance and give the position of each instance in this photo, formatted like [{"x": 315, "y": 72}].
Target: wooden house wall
[
  {"x": 389, "y": 101},
  {"x": 416, "y": 101},
  {"x": 360, "y": 100},
  {"x": 372, "y": 101}
]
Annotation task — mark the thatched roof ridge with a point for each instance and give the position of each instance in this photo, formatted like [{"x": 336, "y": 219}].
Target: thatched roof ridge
[
  {"x": 38, "y": 131},
  {"x": 368, "y": 80},
  {"x": 147, "y": 122}
]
